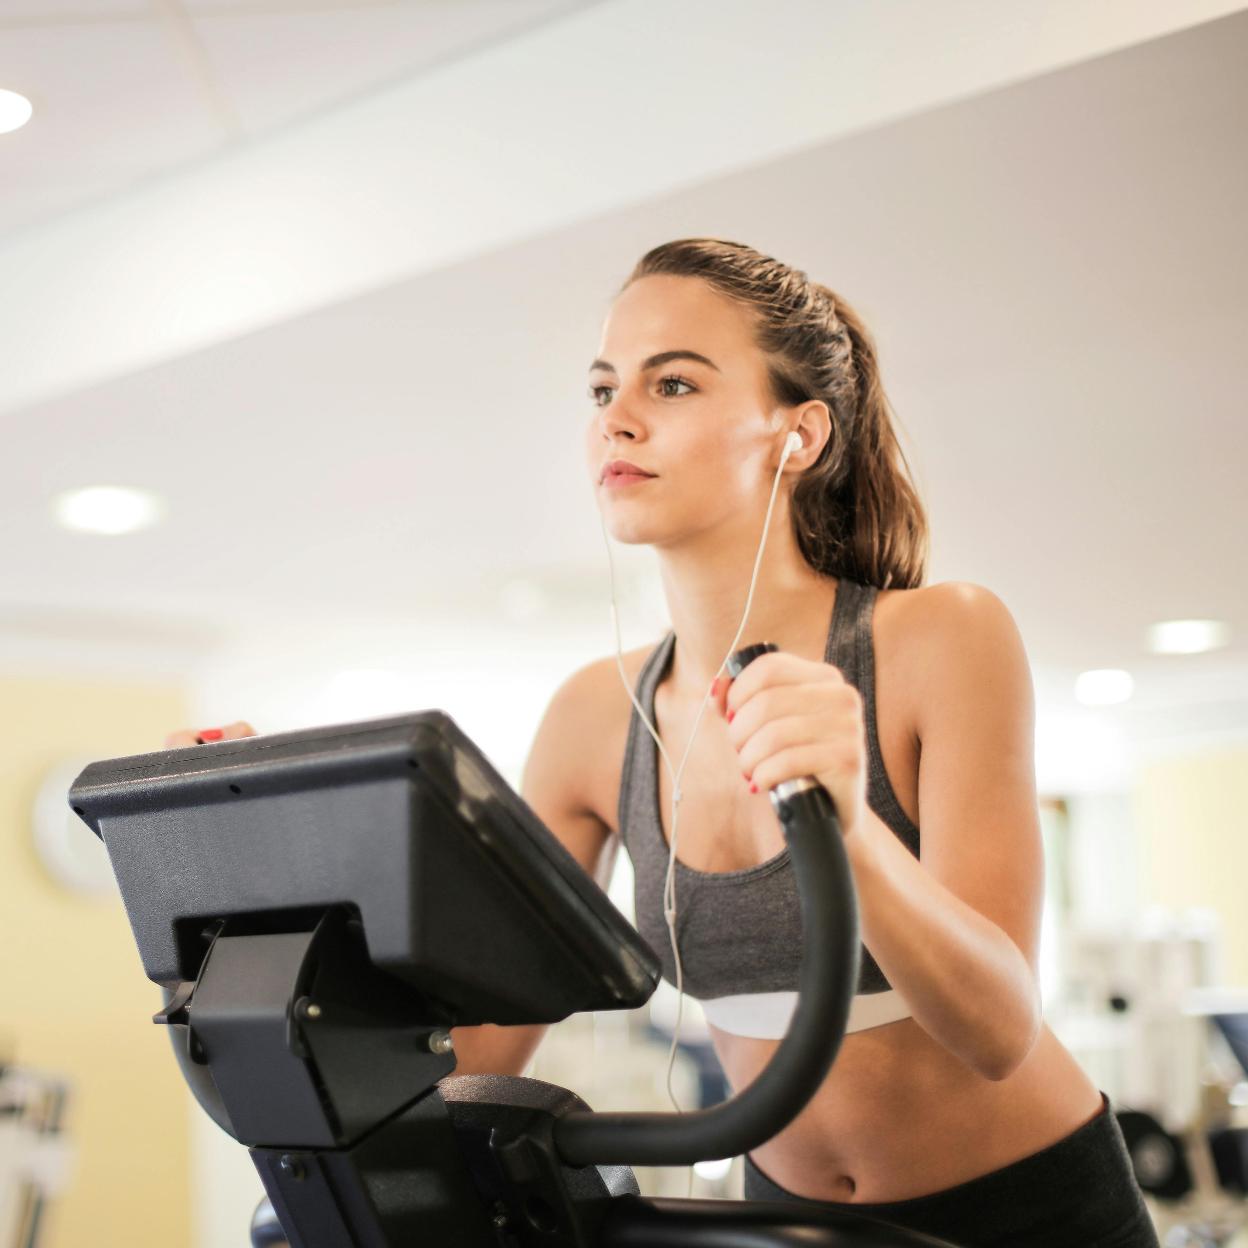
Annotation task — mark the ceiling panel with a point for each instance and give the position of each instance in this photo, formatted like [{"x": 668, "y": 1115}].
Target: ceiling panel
[
  {"x": 278, "y": 65},
  {"x": 124, "y": 90},
  {"x": 113, "y": 104},
  {"x": 39, "y": 12},
  {"x": 307, "y": 6}
]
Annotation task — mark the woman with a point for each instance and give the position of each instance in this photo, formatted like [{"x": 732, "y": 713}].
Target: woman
[{"x": 951, "y": 1108}]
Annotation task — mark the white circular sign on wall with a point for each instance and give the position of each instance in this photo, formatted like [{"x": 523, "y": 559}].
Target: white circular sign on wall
[{"x": 66, "y": 847}]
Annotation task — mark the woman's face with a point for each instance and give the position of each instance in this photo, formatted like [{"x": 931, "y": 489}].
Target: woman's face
[{"x": 680, "y": 390}]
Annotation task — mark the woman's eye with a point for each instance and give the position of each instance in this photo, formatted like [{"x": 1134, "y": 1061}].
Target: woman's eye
[
  {"x": 673, "y": 381},
  {"x": 601, "y": 395}
]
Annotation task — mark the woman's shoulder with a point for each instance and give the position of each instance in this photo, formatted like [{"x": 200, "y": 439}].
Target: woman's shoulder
[
  {"x": 598, "y": 711},
  {"x": 570, "y": 761},
  {"x": 937, "y": 612},
  {"x": 598, "y": 688},
  {"x": 934, "y": 635}
]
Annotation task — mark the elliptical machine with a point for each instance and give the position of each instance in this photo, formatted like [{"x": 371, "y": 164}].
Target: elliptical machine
[{"x": 320, "y": 907}]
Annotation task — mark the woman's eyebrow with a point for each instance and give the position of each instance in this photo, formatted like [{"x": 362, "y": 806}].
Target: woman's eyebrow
[{"x": 663, "y": 357}]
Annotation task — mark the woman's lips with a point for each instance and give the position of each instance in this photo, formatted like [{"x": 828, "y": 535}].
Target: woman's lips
[{"x": 616, "y": 480}]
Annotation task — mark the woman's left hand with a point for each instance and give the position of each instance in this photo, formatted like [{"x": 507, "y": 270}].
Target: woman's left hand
[{"x": 790, "y": 717}]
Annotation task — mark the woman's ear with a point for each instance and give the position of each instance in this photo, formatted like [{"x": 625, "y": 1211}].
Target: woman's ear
[{"x": 814, "y": 422}]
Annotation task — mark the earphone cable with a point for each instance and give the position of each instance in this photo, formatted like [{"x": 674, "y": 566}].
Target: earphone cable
[{"x": 669, "y": 887}]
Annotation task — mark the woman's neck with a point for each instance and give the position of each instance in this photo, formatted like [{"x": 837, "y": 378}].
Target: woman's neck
[{"x": 706, "y": 595}]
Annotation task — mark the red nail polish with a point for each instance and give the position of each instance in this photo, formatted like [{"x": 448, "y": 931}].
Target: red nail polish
[
  {"x": 211, "y": 734},
  {"x": 730, "y": 715},
  {"x": 753, "y": 788}
]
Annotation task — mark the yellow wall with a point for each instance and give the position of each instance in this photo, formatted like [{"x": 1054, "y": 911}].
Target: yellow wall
[
  {"x": 1192, "y": 814},
  {"x": 73, "y": 996}
]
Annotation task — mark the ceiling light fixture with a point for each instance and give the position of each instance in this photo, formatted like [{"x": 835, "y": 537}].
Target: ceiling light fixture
[
  {"x": 1104, "y": 687},
  {"x": 108, "y": 509},
  {"x": 1188, "y": 636},
  {"x": 15, "y": 111}
]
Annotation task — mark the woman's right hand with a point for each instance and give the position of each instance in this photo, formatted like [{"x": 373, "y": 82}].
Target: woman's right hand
[{"x": 199, "y": 736}]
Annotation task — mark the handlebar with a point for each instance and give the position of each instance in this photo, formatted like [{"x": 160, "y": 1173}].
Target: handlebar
[{"x": 828, "y": 978}]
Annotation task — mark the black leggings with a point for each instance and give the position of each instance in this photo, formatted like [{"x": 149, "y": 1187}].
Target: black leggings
[{"x": 1078, "y": 1193}]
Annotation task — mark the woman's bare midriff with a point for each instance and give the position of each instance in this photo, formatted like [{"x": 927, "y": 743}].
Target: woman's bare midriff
[{"x": 898, "y": 1116}]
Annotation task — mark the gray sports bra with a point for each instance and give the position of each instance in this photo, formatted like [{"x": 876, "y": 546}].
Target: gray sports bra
[{"x": 739, "y": 932}]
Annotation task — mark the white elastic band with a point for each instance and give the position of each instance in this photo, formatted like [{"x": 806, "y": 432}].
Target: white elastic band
[{"x": 766, "y": 1015}]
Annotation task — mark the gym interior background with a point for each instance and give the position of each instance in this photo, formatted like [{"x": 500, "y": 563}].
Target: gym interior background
[{"x": 318, "y": 282}]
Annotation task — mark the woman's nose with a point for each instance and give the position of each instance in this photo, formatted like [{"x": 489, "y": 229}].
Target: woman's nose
[
  {"x": 619, "y": 429},
  {"x": 618, "y": 417}
]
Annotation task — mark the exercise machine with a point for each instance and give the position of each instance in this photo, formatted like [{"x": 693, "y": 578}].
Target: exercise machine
[{"x": 321, "y": 907}]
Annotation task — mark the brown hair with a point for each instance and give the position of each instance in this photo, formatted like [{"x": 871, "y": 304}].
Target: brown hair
[{"x": 856, "y": 512}]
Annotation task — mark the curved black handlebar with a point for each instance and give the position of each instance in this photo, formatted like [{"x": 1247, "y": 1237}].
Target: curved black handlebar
[{"x": 829, "y": 974}]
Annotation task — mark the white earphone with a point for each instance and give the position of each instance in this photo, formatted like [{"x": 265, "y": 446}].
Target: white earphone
[{"x": 792, "y": 443}]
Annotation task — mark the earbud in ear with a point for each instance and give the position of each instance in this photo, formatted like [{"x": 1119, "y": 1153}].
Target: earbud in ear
[{"x": 792, "y": 443}]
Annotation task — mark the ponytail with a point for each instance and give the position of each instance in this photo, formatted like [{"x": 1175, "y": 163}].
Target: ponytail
[{"x": 856, "y": 511}]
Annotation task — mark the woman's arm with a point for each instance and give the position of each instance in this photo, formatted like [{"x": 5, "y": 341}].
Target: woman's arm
[
  {"x": 553, "y": 784},
  {"x": 957, "y": 933},
  {"x": 488, "y": 1049}
]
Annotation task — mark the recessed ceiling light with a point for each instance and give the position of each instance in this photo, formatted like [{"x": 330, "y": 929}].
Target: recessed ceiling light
[
  {"x": 1103, "y": 686},
  {"x": 15, "y": 111},
  {"x": 107, "y": 509},
  {"x": 1188, "y": 636}
]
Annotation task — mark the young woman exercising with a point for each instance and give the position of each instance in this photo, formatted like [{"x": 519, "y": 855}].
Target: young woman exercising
[{"x": 951, "y": 1108}]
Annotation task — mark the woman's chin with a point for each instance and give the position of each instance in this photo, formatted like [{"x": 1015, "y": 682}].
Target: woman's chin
[{"x": 630, "y": 534}]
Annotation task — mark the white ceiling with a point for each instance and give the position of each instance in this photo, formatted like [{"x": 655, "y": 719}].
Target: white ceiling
[
  {"x": 546, "y": 128},
  {"x": 127, "y": 90},
  {"x": 1056, "y": 274}
]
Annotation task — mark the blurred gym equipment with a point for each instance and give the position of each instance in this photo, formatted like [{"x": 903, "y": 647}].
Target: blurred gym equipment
[
  {"x": 1171, "y": 1049},
  {"x": 34, "y": 1155}
]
